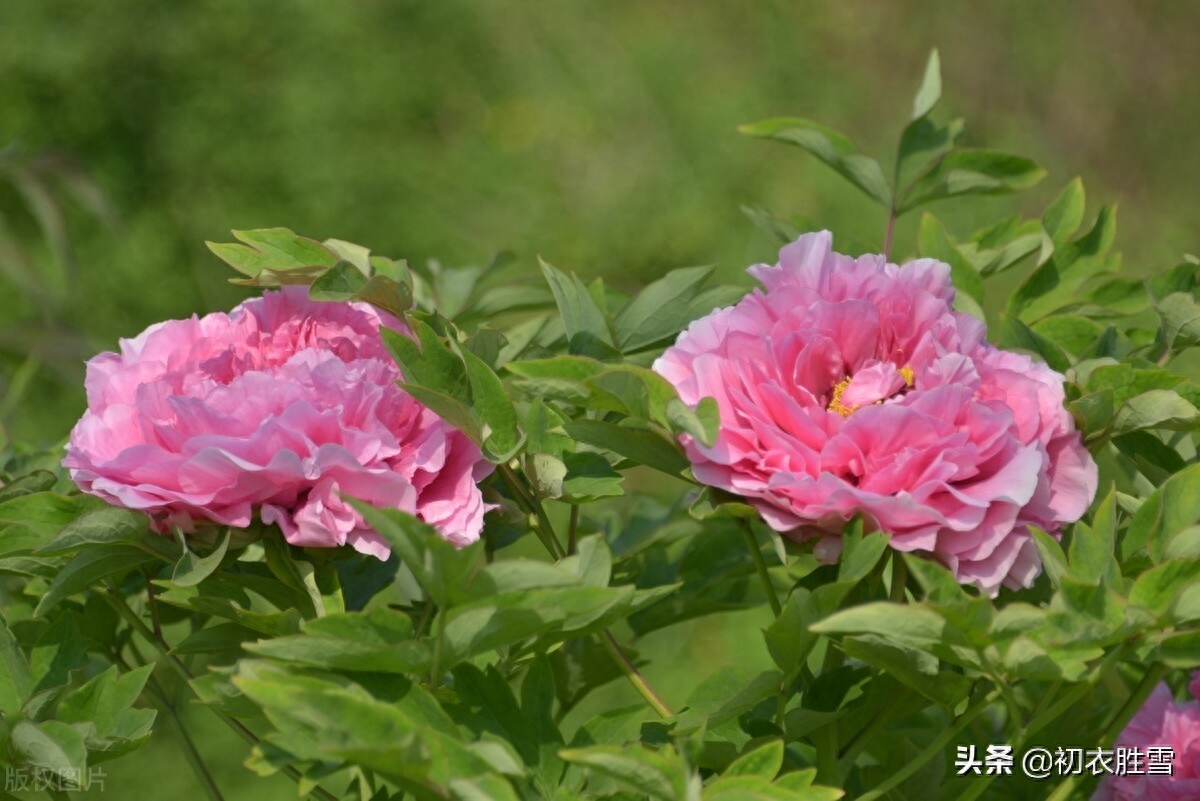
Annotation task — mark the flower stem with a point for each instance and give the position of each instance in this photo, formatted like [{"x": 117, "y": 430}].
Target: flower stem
[
  {"x": 194, "y": 758},
  {"x": 899, "y": 578},
  {"x": 114, "y": 599},
  {"x": 550, "y": 540},
  {"x": 635, "y": 678},
  {"x": 891, "y": 228},
  {"x": 1118, "y": 723},
  {"x": 572, "y": 529},
  {"x": 761, "y": 564},
  {"x": 932, "y": 750},
  {"x": 532, "y": 506}
]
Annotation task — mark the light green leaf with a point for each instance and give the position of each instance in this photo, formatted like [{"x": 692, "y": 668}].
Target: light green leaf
[
  {"x": 764, "y": 761},
  {"x": 1064, "y": 216},
  {"x": 930, "y": 90},
  {"x": 109, "y": 525}
]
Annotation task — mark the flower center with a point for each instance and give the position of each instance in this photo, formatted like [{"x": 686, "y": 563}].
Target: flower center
[{"x": 873, "y": 384}]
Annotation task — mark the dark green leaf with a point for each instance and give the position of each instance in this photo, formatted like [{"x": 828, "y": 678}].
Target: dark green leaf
[
  {"x": 830, "y": 147},
  {"x": 975, "y": 172},
  {"x": 89, "y": 567},
  {"x": 660, "y": 310}
]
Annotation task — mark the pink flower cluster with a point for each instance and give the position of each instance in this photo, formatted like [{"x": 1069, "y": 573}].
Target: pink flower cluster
[
  {"x": 850, "y": 386},
  {"x": 1161, "y": 723},
  {"x": 277, "y": 408}
]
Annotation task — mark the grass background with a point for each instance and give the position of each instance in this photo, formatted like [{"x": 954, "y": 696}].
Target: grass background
[{"x": 599, "y": 134}]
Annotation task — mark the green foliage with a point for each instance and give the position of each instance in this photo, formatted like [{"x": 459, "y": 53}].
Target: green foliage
[{"x": 481, "y": 672}]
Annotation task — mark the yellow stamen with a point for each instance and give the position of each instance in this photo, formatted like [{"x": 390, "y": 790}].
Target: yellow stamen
[
  {"x": 835, "y": 403},
  {"x": 906, "y": 373}
]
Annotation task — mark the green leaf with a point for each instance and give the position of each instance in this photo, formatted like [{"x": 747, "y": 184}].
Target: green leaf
[
  {"x": 1158, "y": 588},
  {"x": 89, "y": 567},
  {"x": 379, "y": 641},
  {"x": 287, "y": 248},
  {"x": 443, "y": 571},
  {"x": 1181, "y": 652},
  {"x": 1064, "y": 216},
  {"x": 428, "y": 363},
  {"x": 1011, "y": 332},
  {"x": 272, "y": 250},
  {"x": 1091, "y": 553},
  {"x": 640, "y": 445},
  {"x": 1069, "y": 332},
  {"x": 16, "y": 683},
  {"x": 934, "y": 243},
  {"x": 339, "y": 283},
  {"x": 930, "y": 90},
  {"x": 490, "y": 403},
  {"x": 764, "y": 761},
  {"x": 106, "y": 703},
  {"x": 830, "y": 147},
  {"x": 1180, "y": 316},
  {"x": 726, "y": 694},
  {"x": 653, "y": 774},
  {"x": 910, "y": 666},
  {"x": 107, "y": 526},
  {"x": 587, "y": 329},
  {"x": 781, "y": 230},
  {"x": 972, "y": 172},
  {"x": 1171, "y": 510},
  {"x": 52, "y": 746},
  {"x": 190, "y": 570},
  {"x": 59, "y": 650},
  {"x": 909, "y": 624},
  {"x": 35, "y": 482},
  {"x": 1158, "y": 408},
  {"x": 1053, "y": 558},
  {"x": 589, "y": 477},
  {"x": 660, "y": 310}
]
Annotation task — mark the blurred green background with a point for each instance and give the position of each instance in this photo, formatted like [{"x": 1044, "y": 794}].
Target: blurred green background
[{"x": 599, "y": 134}]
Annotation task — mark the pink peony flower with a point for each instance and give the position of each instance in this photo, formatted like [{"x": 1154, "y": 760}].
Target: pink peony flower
[
  {"x": 274, "y": 408},
  {"x": 850, "y": 386},
  {"x": 1161, "y": 723}
]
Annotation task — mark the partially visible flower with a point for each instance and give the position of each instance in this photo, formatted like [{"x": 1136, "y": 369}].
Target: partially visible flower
[
  {"x": 850, "y": 386},
  {"x": 1160, "y": 723},
  {"x": 275, "y": 408}
]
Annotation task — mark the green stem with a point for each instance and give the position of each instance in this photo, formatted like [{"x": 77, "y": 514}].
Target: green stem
[
  {"x": 899, "y": 578},
  {"x": 635, "y": 678},
  {"x": 1119, "y": 721},
  {"x": 439, "y": 637},
  {"x": 573, "y": 529},
  {"x": 190, "y": 751},
  {"x": 891, "y": 227},
  {"x": 532, "y": 506},
  {"x": 550, "y": 540},
  {"x": 1045, "y": 718},
  {"x": 114, "y": 599},
  {"x": 825, "y": 739},
  {"x": 932, "y": 750},
  {"x": 57, "y": 795},
  {"x": 761, "y": 564}
]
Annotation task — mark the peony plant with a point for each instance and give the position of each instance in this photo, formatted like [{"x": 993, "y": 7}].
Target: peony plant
[{"x": 406, "y": 529}]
